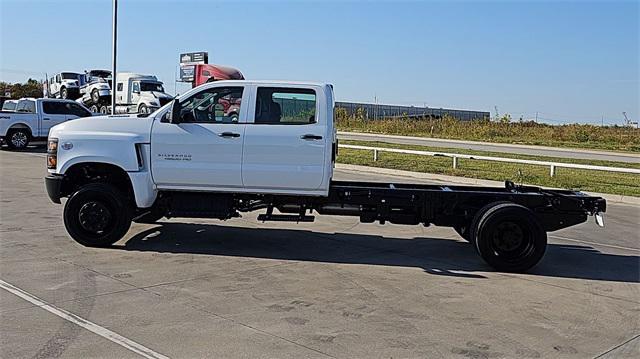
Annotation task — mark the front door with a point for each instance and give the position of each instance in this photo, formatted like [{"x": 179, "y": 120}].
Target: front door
[
  {"x": 203, "y": 151},
  {"x": 284, "y": 147}
]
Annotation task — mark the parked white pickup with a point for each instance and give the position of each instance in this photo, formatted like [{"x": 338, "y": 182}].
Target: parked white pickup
[{"x": 33, "y": 118}]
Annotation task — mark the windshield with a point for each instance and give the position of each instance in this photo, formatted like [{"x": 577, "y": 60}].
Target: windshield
[
  {"x": 151, "y": 86},
  {"x": 69, "y": 76},
  {"x": 100, "y": 73}
]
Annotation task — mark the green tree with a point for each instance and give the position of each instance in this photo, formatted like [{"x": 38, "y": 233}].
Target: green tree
[{"x": 31, "y": 88}]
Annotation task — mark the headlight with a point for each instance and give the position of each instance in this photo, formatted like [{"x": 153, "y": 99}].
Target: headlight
[{"x": 52, "y": 153}]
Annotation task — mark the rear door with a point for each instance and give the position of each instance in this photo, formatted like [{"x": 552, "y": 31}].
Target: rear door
[
  {"x": 285, "y": 141},
  {"x": 204, "y": 151}
]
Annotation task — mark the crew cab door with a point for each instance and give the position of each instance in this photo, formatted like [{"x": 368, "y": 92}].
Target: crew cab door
[
  {"x": 204, "y": 150},
  {"x": 285, "y": 141}
]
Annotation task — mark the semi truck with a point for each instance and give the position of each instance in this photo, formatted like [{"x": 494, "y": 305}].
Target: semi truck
[
  {"x": 138, "y": 93},
  {"x": 189, "y": 159}
]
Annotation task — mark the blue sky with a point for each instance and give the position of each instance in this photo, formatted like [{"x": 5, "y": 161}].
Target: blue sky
[{"x": 569, "y": 61}]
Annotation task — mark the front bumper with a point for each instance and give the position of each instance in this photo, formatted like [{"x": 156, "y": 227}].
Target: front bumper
[{"x": 53, "y": 184}]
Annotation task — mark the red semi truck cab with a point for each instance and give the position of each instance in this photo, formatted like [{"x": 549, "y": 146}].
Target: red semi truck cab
[{"x": 204, "y": 73}]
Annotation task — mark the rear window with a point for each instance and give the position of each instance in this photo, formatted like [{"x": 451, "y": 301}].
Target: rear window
[
  {"x": 285, "y": 106},
  {"x": 8, "y": 106}
]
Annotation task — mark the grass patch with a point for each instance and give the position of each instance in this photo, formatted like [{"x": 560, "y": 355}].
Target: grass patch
[
  {"x": 613, "y": 138},
  {"x": 577, "y": 179}
]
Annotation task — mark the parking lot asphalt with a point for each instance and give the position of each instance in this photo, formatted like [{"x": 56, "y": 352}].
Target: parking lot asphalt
[{"x": 333, "y": 288}]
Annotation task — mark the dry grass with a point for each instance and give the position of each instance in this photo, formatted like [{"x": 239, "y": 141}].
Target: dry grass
[{"x": 614, "y": 138}]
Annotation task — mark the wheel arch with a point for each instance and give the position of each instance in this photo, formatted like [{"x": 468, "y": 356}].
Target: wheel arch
[{"x": 82, "y": 173}]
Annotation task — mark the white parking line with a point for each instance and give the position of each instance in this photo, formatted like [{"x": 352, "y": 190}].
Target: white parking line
[{"x": 95, "y": 328}]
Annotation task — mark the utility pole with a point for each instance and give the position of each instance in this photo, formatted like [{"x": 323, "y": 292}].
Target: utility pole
[
  {"x": 536, "y": 116},
  {"x": 497, "y": 115},
  {"x": 114, "y": 56}
]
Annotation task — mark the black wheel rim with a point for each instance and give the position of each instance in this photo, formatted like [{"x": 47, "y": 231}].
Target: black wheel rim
[
  {"x": 511, "y": 241},
  {"x": 95, "y": 217}
]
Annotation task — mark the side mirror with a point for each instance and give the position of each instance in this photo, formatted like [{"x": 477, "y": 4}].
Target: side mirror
[{"x": 174, "y": 112}]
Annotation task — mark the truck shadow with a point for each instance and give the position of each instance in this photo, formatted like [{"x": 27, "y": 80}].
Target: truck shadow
[{"x": 437, "y": 256}]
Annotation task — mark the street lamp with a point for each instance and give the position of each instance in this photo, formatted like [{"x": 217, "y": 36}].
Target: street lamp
[{"x": 113, "y": 60}]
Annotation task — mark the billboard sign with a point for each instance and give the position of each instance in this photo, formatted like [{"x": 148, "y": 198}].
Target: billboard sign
[
  {"x": 191, "y": 58},
  {"x": 187, "y": 73}
]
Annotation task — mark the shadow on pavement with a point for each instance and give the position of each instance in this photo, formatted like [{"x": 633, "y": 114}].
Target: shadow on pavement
[
  {"x": 30, "y": 149},
  {"x": 435, "y": 256}
]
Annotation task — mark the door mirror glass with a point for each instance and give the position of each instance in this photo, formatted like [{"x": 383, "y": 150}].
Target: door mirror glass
[{"x": 174, "y": 112}]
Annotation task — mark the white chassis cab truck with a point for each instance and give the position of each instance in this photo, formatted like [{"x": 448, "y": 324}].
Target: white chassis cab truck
[
  {"x": 65, "y": 85},
  {"x": 137, "y": 93},
  {"x": 191, "y": 159},
  {"x": 33, "y": 118},
  {"x": 95, "y": 91}
]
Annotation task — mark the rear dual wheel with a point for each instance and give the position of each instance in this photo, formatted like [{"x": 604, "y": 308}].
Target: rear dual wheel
[{"x": 508, "y": 237}]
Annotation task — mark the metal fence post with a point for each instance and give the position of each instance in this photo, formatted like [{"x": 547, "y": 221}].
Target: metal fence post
[
  {"x": 375, "y": 155},
  {"x": 552, "y": 171},
  {"x": 455, "y": 162}
]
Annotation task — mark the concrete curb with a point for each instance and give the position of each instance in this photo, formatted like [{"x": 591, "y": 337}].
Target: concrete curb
[{"x": 614, "y": 198}]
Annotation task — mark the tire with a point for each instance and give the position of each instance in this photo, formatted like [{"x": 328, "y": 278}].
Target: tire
[
  {"x": 64, "y": 94},
  {"x": 104, "y": 110},
  {"x": 94, "y": 108},
  {"x": 97, "y": 215},
  {"x": 234, "y": 117},
  {"x": 150, "y": 217},
  {"x": 509, "y": 237},
  {"x": 95, "y": 96},
  {"x": 18, "y": 138},
  {"x": 143, "y": 109}
]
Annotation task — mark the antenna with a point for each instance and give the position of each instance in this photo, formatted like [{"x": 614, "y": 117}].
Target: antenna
[{"x": 627, "y": 121}]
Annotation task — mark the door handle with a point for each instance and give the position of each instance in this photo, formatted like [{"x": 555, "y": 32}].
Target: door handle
[
  {"x": 45, "y": 119},
  {"x": 229, "y": 134},
  {"x": 310, "y": 137}
]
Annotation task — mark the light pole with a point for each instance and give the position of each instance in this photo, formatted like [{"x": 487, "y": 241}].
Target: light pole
[{"x": 113, "y": 60}]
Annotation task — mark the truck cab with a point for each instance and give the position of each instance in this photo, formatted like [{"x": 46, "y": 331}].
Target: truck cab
[
  {"x": 138, "y": 93},
  {"x": 65, "y": 85},
  {"x": 96, "y": 90}
]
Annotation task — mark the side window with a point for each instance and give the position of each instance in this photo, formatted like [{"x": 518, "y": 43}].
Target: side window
[
  {"x": 75, "y": 109},
  {"x": 27, "y": 106},
  {"x": 214, "y": 105},
  {"x": 51, "y": 108},
  {"x": 285, "y": 106},
  {"x": 119, "y": 88},
  {"x": 135, "y": 88}
]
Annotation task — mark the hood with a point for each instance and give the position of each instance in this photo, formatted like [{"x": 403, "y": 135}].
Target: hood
[
  {"x": 114, "y": 127},
  {"x": 157, "y": 94}
]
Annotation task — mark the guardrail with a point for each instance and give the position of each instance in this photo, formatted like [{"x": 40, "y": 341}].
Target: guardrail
[{"x": 455, "y": 156}]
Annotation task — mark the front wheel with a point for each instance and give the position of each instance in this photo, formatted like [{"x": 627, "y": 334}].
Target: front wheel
[
  {"x": 97, "y": 215},
  {"x": 143, "y": 109},
  {"x": 64, "y": 94},
  {"x": 18, "y": 139},
  {"x": 509, "y": 237}
]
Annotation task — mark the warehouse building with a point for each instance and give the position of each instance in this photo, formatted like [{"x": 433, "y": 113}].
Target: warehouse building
[{"x": 378, "y": 111}]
